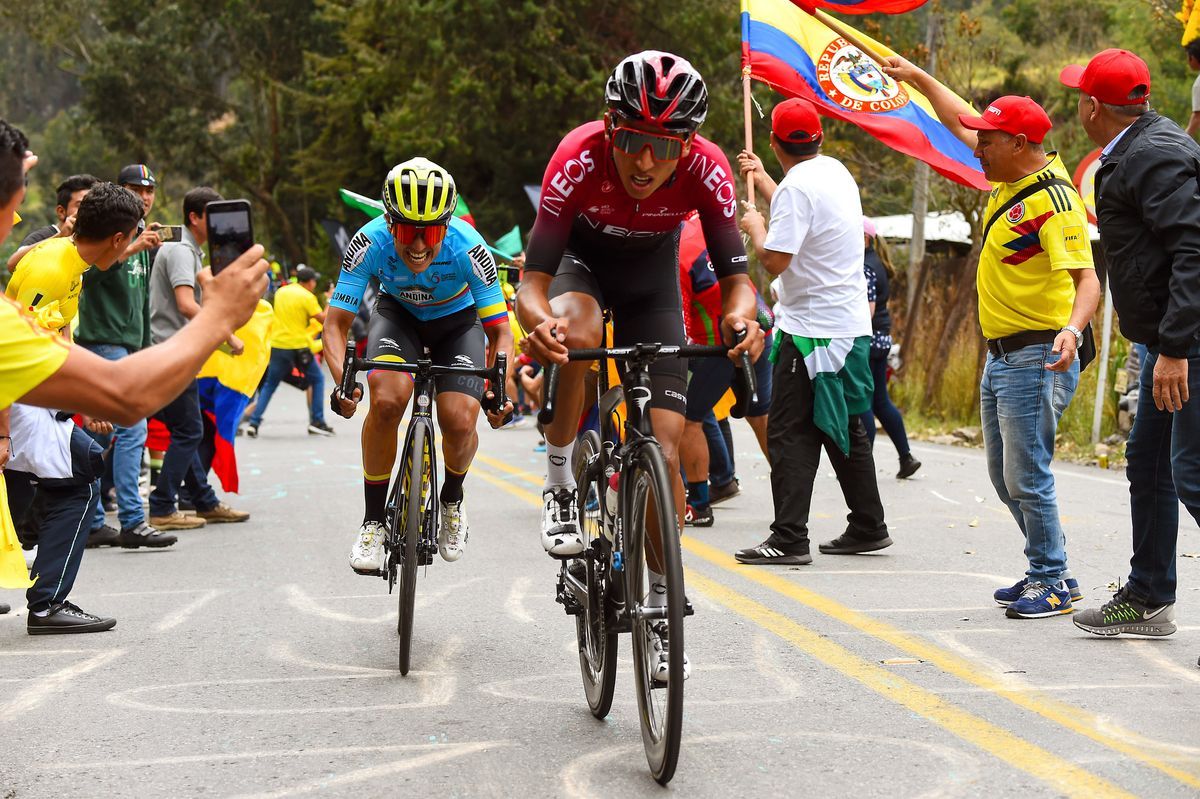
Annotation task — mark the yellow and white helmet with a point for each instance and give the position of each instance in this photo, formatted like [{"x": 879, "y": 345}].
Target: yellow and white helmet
[{"x": 419, "y": 192}]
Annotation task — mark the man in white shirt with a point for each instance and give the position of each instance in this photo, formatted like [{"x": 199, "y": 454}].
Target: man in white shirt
[{"x": 822, "y": 378}]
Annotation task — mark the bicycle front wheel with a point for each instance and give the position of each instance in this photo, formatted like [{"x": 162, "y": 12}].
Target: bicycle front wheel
[
  {"x": 597, "y": 640},
  {"x": 415, "y": 489},
  {"x": 653, "y": 533}
]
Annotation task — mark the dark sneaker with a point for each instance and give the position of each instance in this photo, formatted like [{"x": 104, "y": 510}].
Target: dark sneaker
[
  {"x": 316, "y": 429},
  {"x": 67, "y": 618},
  {"x": 4, "y": 608},
  {"x": 143, "y": 535},
  {"x": 768, "y": 554},
  {"x": 908, "y": 467},
  {"x": 102, "y": 536},
  {"x": 1125, "y": 613},
  {"x": 698, "y": 516},
  {"x": 1006, "y": 596},
  {"x": 848, "y": 545},
  {"x": 718, "y": 494},
  {"x": 1040, "y": 600},
  {"x": 252, "y": 431}
]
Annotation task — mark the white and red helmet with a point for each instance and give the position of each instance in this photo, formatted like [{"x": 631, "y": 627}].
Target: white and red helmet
[{"x": 660, "y": 89}]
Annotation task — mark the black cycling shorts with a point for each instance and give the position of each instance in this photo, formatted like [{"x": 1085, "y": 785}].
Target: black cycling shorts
[
  {"x": 453, "y": 340},
  {"x": 642, "y": 291}
]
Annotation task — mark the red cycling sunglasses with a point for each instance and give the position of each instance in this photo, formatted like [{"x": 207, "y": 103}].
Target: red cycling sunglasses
[
  {"x": 406, "y": 234},
  {"x": 663, "y": 147}
]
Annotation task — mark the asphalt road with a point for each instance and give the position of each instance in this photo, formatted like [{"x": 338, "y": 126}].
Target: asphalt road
[{"x": 249, "y": 660}]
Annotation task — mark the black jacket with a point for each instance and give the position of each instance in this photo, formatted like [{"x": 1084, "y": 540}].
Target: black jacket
[{"x": 1148, "y": 207}]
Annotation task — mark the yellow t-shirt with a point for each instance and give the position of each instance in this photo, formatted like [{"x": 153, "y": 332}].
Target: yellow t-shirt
[
  {"x": 47, "y": 282},
  {"x": 294, "y": 306},
  {"x": 1023, "y": 282},
  {"x": 28, "y": 354}
]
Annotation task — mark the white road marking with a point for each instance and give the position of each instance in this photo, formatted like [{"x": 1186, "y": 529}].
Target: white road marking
[
  {"x": 48, "y": 684},
  {"x": 309, "y": 606},
  {"x": 944, "y": 499},
  {"x": 998, "y": 668},
  {"x": 960, "y": 452},
  {"x": 180, "y": 616},
  {"x": 766, "y": 660},
  {"x": 515, "y": 604},
  {"x": 283, "y": 652},
  {"x": 434, "y": 754},
  {"x": 1149, "y": 650}
]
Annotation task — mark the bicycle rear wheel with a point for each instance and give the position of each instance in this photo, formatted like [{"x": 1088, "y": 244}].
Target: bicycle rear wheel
[
  {"x": 648, "y": 497},
  {"x": 408, "y": 522},
  {"x": 597, "y": 640}
]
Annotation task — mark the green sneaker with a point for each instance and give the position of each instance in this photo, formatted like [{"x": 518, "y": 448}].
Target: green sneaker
[{"x": 1125, "y": 613}]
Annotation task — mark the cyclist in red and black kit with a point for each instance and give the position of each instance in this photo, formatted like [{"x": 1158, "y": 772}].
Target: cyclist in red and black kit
[{"x": 606, "y": 236}]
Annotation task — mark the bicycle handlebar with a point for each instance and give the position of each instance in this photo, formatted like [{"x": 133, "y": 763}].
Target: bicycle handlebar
[{"x": 648, "y": 353}]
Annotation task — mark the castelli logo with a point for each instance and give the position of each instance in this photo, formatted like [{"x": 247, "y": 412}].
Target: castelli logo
[
  {"x": 855, "y": 82},
  {"x": 607, "y": 186},
  {"x": 1016, "y": 213}
]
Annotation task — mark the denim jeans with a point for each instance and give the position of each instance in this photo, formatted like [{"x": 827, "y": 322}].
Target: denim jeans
[
  {"x": 881, "y": 406},
  {"x": 1020, "y": 403},
  {"x": 1163, "y": 469},
  {"x": 281, "y": 365},
  {"x": 181, "y": 463},
  {"x": 125, "y": 458}
]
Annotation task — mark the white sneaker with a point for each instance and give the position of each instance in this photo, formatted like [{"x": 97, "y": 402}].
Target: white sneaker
[
  {"x": 366, "y": 556},
  {"x": 560, "y": 522},
  {"x": 659, "y": 642},
  {"x": 453, "y": 531}
]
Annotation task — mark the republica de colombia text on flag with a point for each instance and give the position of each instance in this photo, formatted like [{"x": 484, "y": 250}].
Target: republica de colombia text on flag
[{"x": 799, "y": 56}]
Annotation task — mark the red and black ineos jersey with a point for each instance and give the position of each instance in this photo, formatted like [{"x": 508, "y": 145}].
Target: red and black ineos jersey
[{"x": 585, "y": 208}]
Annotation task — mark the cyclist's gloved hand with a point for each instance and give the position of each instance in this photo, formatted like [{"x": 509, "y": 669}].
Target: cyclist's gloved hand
[
  {"x": 343, "y": 406},
  {"x": 497, "y": 416},
  {"x": 753, "y": 342}
]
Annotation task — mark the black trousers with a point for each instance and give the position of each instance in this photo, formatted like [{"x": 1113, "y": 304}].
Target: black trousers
[
  {"x": 66, "y": 507},
  {"x": 794, "y": 444}
]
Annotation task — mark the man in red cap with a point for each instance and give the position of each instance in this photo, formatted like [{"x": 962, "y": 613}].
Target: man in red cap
[
  {"x": 822, "y": 375},
  {"x": 1037, "y": 292},
  {"x": 1148, "y": 207}
]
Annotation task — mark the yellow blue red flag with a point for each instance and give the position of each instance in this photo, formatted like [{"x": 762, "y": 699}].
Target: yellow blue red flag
[
  {"x": 798, "y": 55},
  {"x": 861, "y": 6}
]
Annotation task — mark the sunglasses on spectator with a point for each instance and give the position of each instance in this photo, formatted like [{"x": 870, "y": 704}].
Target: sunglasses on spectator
[
  {"x": 663, "y": 147},
  {"x": 406, "y": 233}
]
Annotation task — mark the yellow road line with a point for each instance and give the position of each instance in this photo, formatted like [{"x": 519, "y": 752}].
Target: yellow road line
[
  {"x": 1061, "y": 713},
  {"x": 1069, "y": 716},
  {"x": 1063, "y": 775}
]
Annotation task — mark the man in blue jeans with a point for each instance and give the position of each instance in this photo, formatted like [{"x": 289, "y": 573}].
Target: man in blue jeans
[
  {"x": 114, "y": 322},
  {"x": 175, "y": 297},
  {"x": 1037, "y": 292},
  {"x": 1148, "y": 207}
]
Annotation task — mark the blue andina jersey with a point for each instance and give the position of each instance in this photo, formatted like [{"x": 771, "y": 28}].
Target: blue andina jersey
[{"x": 462, "y": 275}]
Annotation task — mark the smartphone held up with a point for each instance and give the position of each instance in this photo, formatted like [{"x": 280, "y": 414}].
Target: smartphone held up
[{"x": 230, "y": 232}]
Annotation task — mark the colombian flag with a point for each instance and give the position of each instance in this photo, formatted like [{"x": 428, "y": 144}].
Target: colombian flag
[
  {"x": 797, "y": 55},
  {"x": 226, "y": 384}
]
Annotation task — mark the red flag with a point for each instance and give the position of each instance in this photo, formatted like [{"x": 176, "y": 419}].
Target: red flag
[{"x": 861, "y": 6}]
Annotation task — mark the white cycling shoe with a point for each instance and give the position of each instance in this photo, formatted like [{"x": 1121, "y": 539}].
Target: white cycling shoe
[
  {"x": 560, "y": 522},
  {"x": 366, "y": 556},
  {"x": 659, "y": 642},
  {"x": 452, "y": 532}
]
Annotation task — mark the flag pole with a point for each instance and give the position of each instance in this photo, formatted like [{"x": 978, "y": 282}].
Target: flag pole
[
  {"x": 747, "y": 101},
  {"x": 847, "y": 34}
]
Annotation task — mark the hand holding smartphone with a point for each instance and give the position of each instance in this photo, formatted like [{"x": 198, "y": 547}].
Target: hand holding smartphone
[
  {"x": 230, "y": 232},
  {"x": 168, "y": 233}
]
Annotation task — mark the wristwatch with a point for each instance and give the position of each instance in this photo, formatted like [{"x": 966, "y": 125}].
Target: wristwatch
[{"x": 1076, "y": 331}]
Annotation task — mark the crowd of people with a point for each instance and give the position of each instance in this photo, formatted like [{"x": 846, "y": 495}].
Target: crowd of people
[{"x": 673, "y": 274}]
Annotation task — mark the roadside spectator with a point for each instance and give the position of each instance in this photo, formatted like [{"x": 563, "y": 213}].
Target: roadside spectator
[
  {"x": 1037, "y": 292},
  {"x": 296, "y": 306},
  {"x": 822, "y": 378},
  {"x": 878, "y": 271},
  {"x": 1193, "y": 61},
  {"x": 175, "y": 297},
  {"x": 69, "y": 195},
  {"x": 114, "y": 321},
  {"x": 1148, "y": 207}
]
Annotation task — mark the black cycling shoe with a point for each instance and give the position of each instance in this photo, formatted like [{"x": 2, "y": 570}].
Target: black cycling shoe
[
  {"x": 768, "y": 554},
  {"x": 145, "y": 536},
  {"x": 65, "y": 618},
  {"x": 701, "y": 516},
  {"x": 908, "y": 467},
  {"x": 848, "y": 545},
  {"x": 103, "y": 536}
]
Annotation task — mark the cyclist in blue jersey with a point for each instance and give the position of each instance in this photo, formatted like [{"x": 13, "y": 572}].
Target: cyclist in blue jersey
[{"x": 439, "y": 291}]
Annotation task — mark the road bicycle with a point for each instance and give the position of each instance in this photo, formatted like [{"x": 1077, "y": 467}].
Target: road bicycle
[
  {"x": 607, "y": 587},
  {"x": 412, "y": 507}
]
